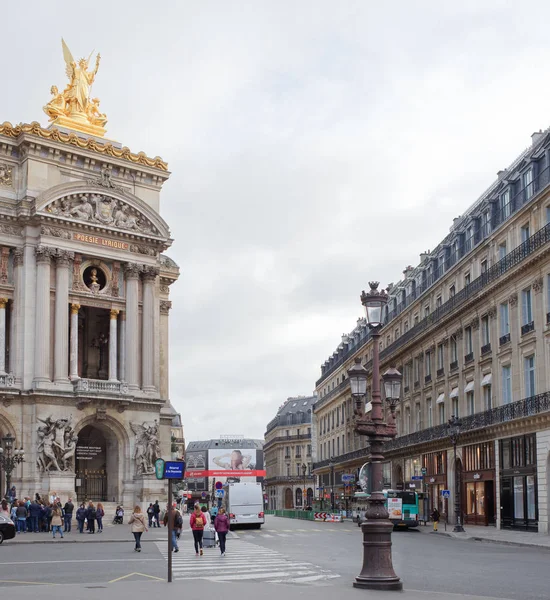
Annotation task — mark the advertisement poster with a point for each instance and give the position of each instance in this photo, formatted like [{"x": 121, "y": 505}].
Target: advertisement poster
[
  {"x": 230, "y": 464},
  {"x": 395, "y": 508}
]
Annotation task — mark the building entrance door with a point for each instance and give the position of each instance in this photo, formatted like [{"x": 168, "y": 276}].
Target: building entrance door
[
  {"x": 91, "y": 465},
  {"x": 289, "y": 500}
]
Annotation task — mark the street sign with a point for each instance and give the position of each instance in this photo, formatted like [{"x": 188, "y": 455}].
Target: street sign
[
  {"x": 174, "y": 469},
  {"x": 219, "y": 493},
  {"x": 424, "y": 470},
  {"x": 412, "y": 485},
  {"x": 417, "y": 478},
  {"x": 203, "y": 495},
  {"x": 348, "y": 477},
  {"x": 159, "y": 468},
  {"x": 219, "y": 485},
  {"x": 446, "y": 493}
]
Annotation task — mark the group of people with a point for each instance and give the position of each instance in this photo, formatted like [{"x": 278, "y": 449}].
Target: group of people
[
  {"x": 199, "y": 521},
  {"x": 50, "y": 515}
]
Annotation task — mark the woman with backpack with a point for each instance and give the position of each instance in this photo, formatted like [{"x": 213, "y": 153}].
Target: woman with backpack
[
  {"x": 197, "y": 523},
  {"x": 100, "y": 513},
  {"x": 221, "y": 525},
  {"x": 137, "y": 521}
]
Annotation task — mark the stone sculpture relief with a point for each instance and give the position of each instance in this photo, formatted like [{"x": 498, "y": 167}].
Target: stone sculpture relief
[
  {"x": 6, "y": 177},
  {"x": 102, "y": 210},
  {"x": 147, "y": 447},
  {"x": 56, "y": 445}
]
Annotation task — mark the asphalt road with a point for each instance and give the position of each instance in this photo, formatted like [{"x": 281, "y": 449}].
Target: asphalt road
[{"x": 425, "y": 562}]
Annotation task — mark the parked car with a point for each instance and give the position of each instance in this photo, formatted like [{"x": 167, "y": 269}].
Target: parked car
[{"x": 7, "y": 529}]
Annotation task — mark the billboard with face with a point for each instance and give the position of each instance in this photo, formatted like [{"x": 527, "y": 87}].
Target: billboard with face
[{"x": 230, "y": 464}]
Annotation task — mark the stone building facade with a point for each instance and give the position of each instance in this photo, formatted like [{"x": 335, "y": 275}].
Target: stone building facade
[
  {"x": 288, "y": 455},
  {"x": 84, "y": 314},
  {"x": 469, "y": 329}
]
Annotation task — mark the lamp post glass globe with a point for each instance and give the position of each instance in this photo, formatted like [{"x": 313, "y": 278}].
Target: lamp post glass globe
[
  {"x": 374, "y": 301},
  {"x": 392, "y": 384},
  {"x": 357, "y": 375}
]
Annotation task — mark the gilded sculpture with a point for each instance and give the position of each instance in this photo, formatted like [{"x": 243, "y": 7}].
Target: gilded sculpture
[{"x": 73, "y": 108}]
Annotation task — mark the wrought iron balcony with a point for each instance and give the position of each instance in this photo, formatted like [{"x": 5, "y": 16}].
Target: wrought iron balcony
[
  {"x": 416, "y": 384},
  {"x": 100, "y": 386},
  {"x": 468, "y": 357},
  {"x": 453, "y": 365},
  {"x": 486, "y": 349},
  {"x": 286, "y": 438},
  {"x": 405, "y": 389},
  {"x": 527, "y": 328},
  {"x": 503, "y": 339},
  {"x": 343, "y": 385},
  {"x": 427, "y": 379},
  {"x": 440, "y": 372}
]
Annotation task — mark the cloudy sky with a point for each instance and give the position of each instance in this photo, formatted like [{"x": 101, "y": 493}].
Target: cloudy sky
[{"x": 314, "y": 146}]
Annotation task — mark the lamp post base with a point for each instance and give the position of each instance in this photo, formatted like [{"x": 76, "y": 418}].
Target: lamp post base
[
  {"x": 377, "y": 572},
  {"x": 458, "y": 529}
]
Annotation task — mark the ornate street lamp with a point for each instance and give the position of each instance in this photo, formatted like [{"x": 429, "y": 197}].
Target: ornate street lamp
[
  {"x": 453, "y": 428},
  {"x": 9, "y": 458},
  {"x": 377, "y": 572}
]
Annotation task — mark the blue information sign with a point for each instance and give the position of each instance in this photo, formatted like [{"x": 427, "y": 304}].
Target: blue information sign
[
  {"x": 446, "y": 493},
  {"x": 417, "y": 478},
  {"x": 174, "y": 469}
]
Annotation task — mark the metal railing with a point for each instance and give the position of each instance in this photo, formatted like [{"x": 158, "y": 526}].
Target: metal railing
[
  {"x": 329, "y": 395},
  {"x": 286, "y": 438},
  {"x": 513, "y": 258}
]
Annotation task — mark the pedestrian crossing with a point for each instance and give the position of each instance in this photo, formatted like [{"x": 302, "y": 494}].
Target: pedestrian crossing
[
  {"x": 243, "y": 562},
  {"x": 282, "y": 533}
]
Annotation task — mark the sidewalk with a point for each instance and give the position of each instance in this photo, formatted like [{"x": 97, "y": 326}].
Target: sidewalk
[
  {"x": 111, "y": 533},
  {"x": 492, "y": 534}
]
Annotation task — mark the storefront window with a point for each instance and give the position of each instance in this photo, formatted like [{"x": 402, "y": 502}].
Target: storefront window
[
  {"x": 480, "y": 499},
  {"x": 531, "y": 510},
  {"x": 470, "y": 498},
  {"x": 518, "y": 498}
]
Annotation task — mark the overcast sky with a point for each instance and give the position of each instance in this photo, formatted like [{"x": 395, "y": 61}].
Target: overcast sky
[{"x": 313, "y": 146}]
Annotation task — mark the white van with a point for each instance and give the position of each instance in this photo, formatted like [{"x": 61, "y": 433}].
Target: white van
[{"x": 244, "y": 503}]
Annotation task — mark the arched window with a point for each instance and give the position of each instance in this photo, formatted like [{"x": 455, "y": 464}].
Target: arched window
[
  {"x": 298, "y": 497},
  {"x": 309, "y": 496}
]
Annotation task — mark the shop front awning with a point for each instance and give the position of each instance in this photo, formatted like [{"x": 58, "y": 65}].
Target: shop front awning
[
  {"x": 441, "y": 398},
  {"x": 486, "y": 379},
  {"x": 454, "y": 393},
  {"x": 469, "y": 387}
]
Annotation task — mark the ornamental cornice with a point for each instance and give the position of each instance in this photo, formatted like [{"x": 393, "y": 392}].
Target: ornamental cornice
[
  {"x": 132, "y": 270},
  {"x": 538, "y": 285},
  {"x": 165, "y": 306},
  {"x": 91, "y": 144}
]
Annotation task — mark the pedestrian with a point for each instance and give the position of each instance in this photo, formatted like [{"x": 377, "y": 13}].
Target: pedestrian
[
  {"x": 57, "y": 520},
  {"x": 150, "y": 514},
  {"x": 177, "y": 524},
  {"x": 35, "y": 513},
  {"x": 137, "y": 521},
  {"x": 221, "y": 525},
  {"x": 435, "y": 518},
  {"x": 100, "y": 513},
  {"x": 197, "y": 522},
  {"x": 206, "y": 515},
  {"x": 48, "y": 516},
  {"x": 5, "y": 509},
  {"x": 68, "y": 510},
  {"x": 21, "y": 514},
  {"x": 91, "y": 515},
  {"x": 156, "y": 508},
  {"x": 80, "y": 516}
]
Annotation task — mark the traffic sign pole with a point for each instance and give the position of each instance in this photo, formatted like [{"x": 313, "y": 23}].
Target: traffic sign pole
[{"x": 170, "y": 523}]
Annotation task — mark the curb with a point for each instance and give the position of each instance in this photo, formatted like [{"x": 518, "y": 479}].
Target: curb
[
  {"x": 71, "y": 541},
  {"x": 472, "y": 538}
]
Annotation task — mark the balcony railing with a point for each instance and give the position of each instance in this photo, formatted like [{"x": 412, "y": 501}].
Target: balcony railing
[
  {"x": 416, "y": 384},
  {"x": 486, "y": 349},
  {"x": 528, "y": 407},
  {"x": 528, "y": 327},
  {"x": 286, "y": 438},
  {"x": 100, "y": 386},
  {"x": 440, "y": 372},
  {"x": 427, "y": 379},
  {"x": 503, "y": 339},
  {"x": 469, "y": 357},
  {"x": 7, "y": 380},
  {"x": 453, "y": 365}
]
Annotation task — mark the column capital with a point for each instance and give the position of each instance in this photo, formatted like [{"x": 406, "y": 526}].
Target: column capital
[
  {"x": 114, "y": 313},
  {"x": 150, "y": 273},
  {"x": 3, "y": 302},
  {"x": 63, "y": 258},
  {"x": 132, "y": 270},
  {"x": 44, "y": 254},
  {"x": 165, "y": 306},
  {"x": 18, "y": 256},
  {"x": 75, "y": 307}
]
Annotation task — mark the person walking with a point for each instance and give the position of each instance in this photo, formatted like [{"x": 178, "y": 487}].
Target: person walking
[
  {"x": 68, "y": 510},
  {"x": 197, "y": 522},
  {"x": 435, "y": 518},
  {"x": 137, "y": 521},
  {"x": 91, "y": 515},
  {"x": 100, "y": 513},
  {"x": 150, "y": 513},
  {"x": 221, "y": 525},
  {"x": 57, "y": 520},
  {"x": 177, "y": 524},
  {"x": 35, "y": 512},
  {"x": 156, "y": 512}
]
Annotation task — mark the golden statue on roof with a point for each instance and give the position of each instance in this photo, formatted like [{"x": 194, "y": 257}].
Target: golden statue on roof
[{"x": 73, "y": 108}]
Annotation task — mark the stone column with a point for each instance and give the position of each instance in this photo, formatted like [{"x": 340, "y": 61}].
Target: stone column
[
  {"x": 3, "y": 302},
  {"x": 122, "y": 347},
  {"x": 132, "y": 272},
  {"x": 165, "y": 306},
  {"x": 113, "y": 346},
  {"x": 148, "y": 329},
  {"x": 61, "y": 348},
  {"x": 74, "y": 342},
  {"x": 17, "y": 346},
  {"x": 42, "y": 329}
]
